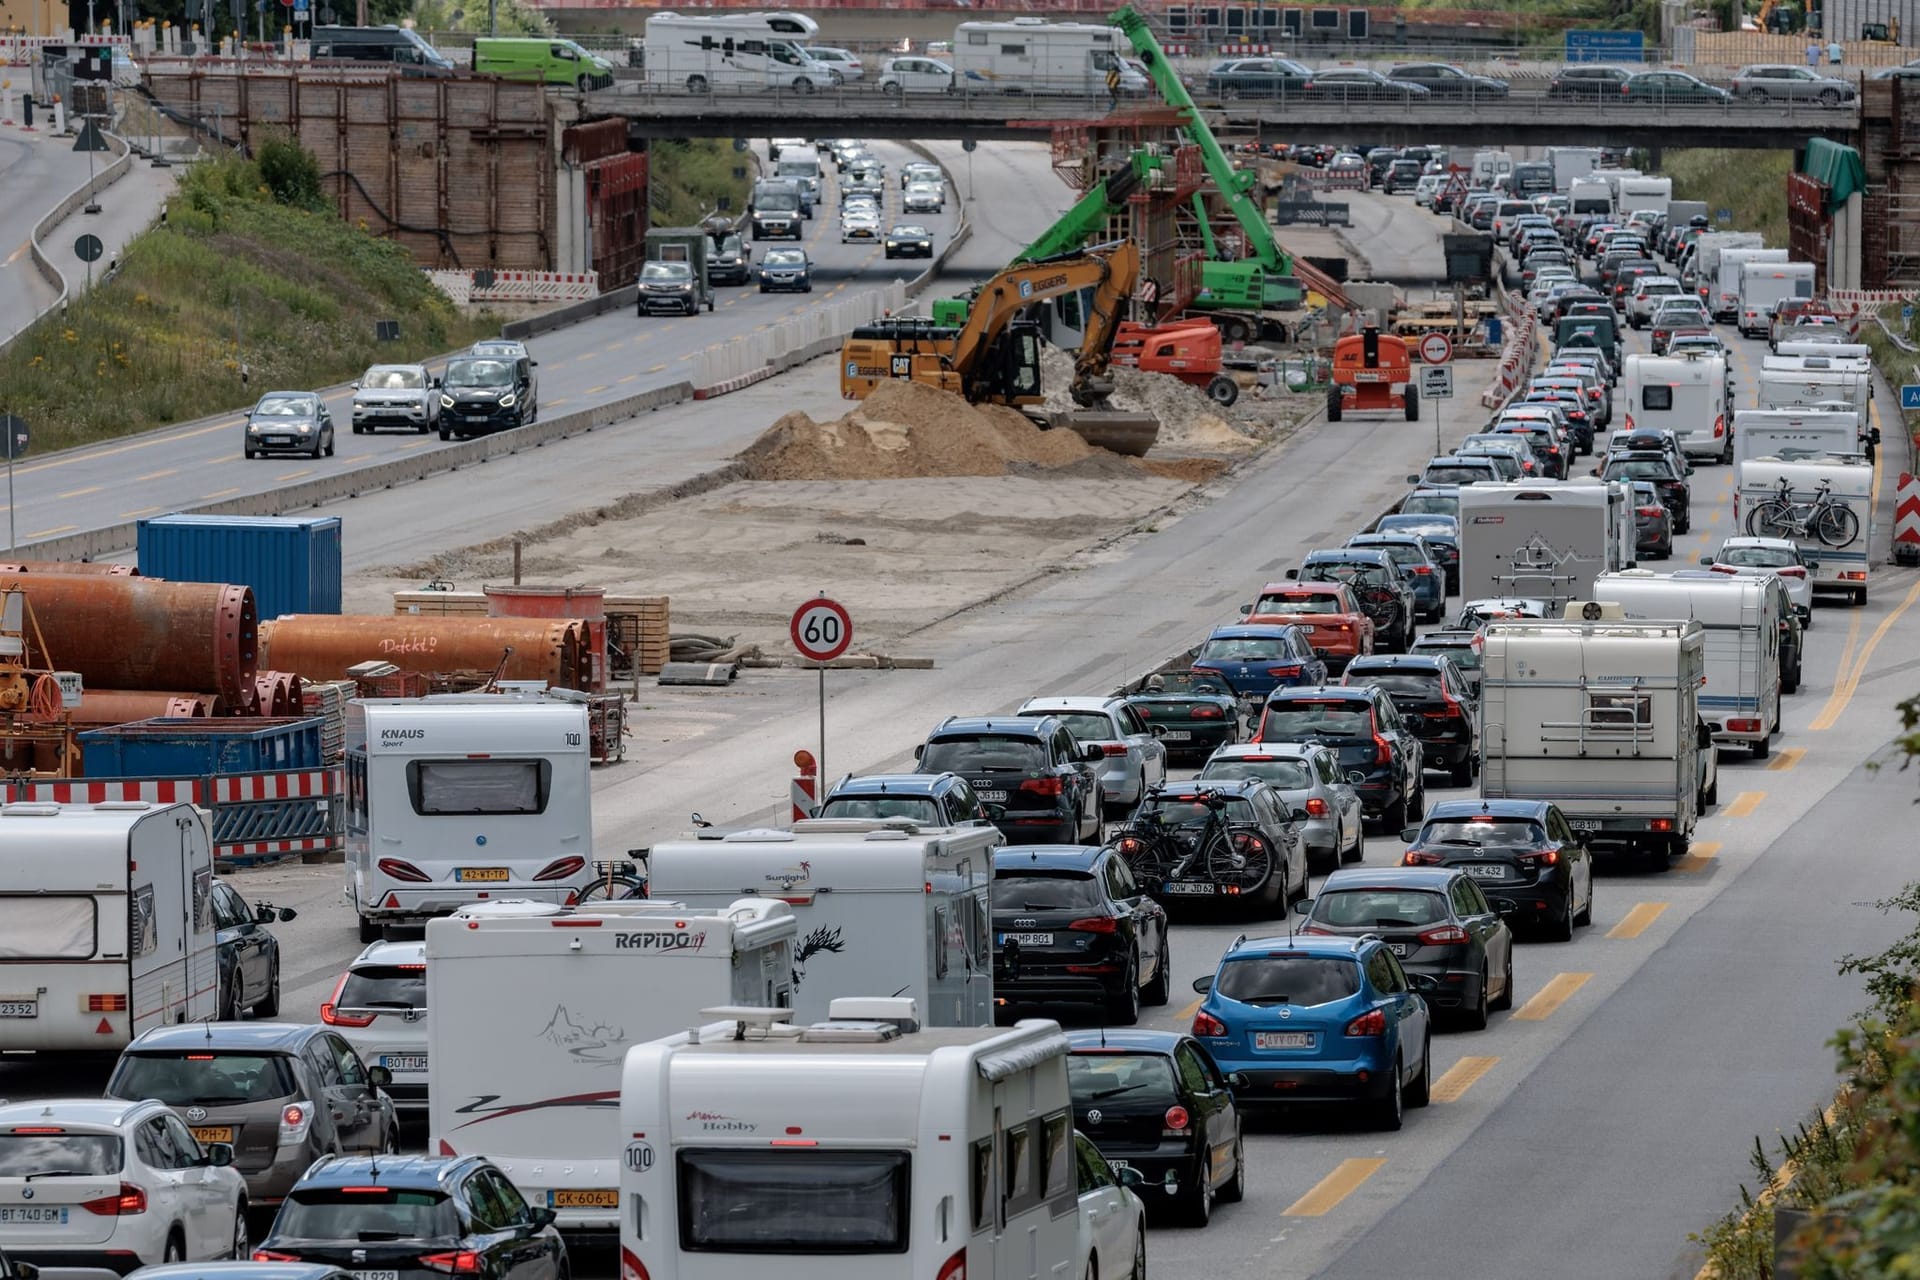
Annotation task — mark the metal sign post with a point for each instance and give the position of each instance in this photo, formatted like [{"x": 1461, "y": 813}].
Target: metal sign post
[
  {"x": 13, "y": 441},
  {"x": 821, "y": 630},
  {"x": 1436, "y": 384}
]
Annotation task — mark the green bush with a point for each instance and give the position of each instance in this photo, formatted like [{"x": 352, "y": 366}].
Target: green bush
[{"x": 291, "y": 173}]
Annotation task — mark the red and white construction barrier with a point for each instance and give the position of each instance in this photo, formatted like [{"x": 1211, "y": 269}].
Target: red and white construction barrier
[
  {"x": 805, "y": 791},
  {"x": 1244, "y": 50},
  {"x": 519, "y": 286},
  {"x": 1906, "y": 520},
  {"x": 1343, "y": 179},
  {"x": 107, "y": 790},
  {"x": 1516, "y": 358}
]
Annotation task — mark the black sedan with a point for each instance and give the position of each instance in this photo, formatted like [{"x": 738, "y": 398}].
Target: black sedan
[
  {"x": 1671, "y": 88},
  {"x": 1443, "y": 79},
  {"x": 1071, "y": 925},
  {"x": 1437, "y": 921},
  {"x": 786, "y": 269},
  {"x": 1433, "y": 701},
  {"x": 1361, "y": 84},
  {"x": 1256, "y": 78},
  {"x": 1155, "y": 1102},
  {"x": 248, "y": 953},
  {"x": 908, "y": 240},
  {"x": 1519, "y": 850},
  {"x": 289, "y": 422}
]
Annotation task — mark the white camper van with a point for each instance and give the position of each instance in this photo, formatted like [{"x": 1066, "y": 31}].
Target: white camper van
[
  {"x": 106, "y": 924},
  {"x": 533, "y": 1008},
  {"x": 464, "y": 797},
  {"x": 1764, "y": 286},
  {"x": 856, "y": 1148},
  {"x": 1597, "y": 714},
  {"x": 880, "y": 902},
  {"x": 1805, "y": 381},
  {"x": 1540, "y": 539},
  {"x": 734, "y": 52},
  {"x": 1740, "y": 702},
  {"x": 1489, "y": 165},
  {"x": 1030, "y": 55},
  {"x": 1589, "y": 195},
  {"x": 1791, "y": 433},
  {"x": 1685, "y": 394},
  {"x": 1848, "y": 479},
  {"x": 1571, "y": 164},
  {"x": 1724, "y": 300},
  {"x": 1640, "y": 192}
]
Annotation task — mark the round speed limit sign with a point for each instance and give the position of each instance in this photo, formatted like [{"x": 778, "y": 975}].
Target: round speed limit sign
[{"x": 821, "y": 629}]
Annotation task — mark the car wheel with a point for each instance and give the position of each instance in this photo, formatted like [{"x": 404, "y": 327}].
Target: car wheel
[
  {"x": 1417, "y": 806},
  {"x": 1139, "y": 1271},
  {"x": 1585, "y": 916},
  {"x": 1394, "y": 816},
  {"x": 445, "y": 434},
  {"x": 268, "y": 1005},
  {"x": 1713, "y": 788},
  {"x": 251, "y": 454},
  {"x": 390, "y": 1145},
  {"x": 176, "y": 1250},
  {"x": 1359, "y": 847},
  {"x": 371, "y": 930},
  {"x": 359, "y": 430},
  {"x": 1420, "y": 1092},
  {"x": 1829, "y": 97},
  {"x": 1234, "y": 1189},
  {"x": 1475, "y": 1018},
  {"x": 1158, "y": 991},
  {"x": 1123, "y": 1006},
  {"x": 329, "y": 444},
  {"x": 1389, "y": 1113},
  {"x": 1560, "y": 928},
  {"x": 1461, "y": 774},
  {"x": 230, "y": 1006},
  {"x": 1198, "y": 1206}
]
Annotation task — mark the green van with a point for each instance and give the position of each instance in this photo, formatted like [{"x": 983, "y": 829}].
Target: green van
[{"x": 546, "y": 60}]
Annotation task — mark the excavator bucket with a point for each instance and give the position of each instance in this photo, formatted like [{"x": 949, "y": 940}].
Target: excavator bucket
[{"x": 1129, "y": 433}]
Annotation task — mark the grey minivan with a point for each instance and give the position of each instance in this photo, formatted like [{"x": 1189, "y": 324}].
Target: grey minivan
[{"x": 401, "y": 46}]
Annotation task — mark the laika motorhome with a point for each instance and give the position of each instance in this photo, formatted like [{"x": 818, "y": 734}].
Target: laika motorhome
[{"x": 1539, "y": 539}]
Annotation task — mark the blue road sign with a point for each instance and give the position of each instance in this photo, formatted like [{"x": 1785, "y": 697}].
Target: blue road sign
[
  {"x": 1723, "y": 215},
  {"x": 1906, "y": 314},
  {"x": 1605, "y": 46},
  {"x": 1910, "y": 396}
]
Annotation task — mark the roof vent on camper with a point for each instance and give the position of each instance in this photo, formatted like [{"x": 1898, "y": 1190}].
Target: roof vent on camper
[
  {"x": 29, "y": 810},
  {"x": 885, "y": 828},
  {"x": 900, "y": 1012},
  {"x": 1594, "y": 611},
  {"x": 509, "y": 909},
  {"x": 745, "y": 1017},
  {"x": 751, "y": 835}
]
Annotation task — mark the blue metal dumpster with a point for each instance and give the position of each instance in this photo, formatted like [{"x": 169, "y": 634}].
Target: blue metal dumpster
[{"x": 178, "y": 747}]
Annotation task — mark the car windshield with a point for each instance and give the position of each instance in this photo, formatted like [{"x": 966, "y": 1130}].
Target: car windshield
[
  {"x": 1094, "y": 1075},
  {"x": 1240, "y": 649},
  {"x": 1431, "y": 504},
  {"x": 1287, "y": 775},
  {"x": 207, "y": 1077},
  {"x": 1456, "y": 474},
  {"x": 920, "y": 809},
  {"x": 1757, "y": 557},
  {"x": 1288, "y": 978},
  {"x": 1034, "y": 890},
  {"x": 384, "y": 986},
  {"x": 1379, "y": 908},
  {"x": 983, "y": 753},
  {"x": 1463, "y": 654},
  {"x": 44, "y": 1154},
  {"x": 394, "y": 380},
  {"x": 1302, "y": 603},
  {"x": 1422, "y": 682},
  {"x": 1637, "y": 468},
  {"x": 1347, "y": 718},
  {"x": 786, "y": 258},
  {"x": 479, "y": 373},
  {"x": 666, "y": 271},
  {"x": 918, "y": 233},
  {"x": 1448, "y": 528},
  {"x": 285, "y": 407},
  {"x": 1191, "y": 810},
  {"x": 1488, "y": 833},
  {"x": 778, "y": 201},
  {"x": 352, "y": 1213}
]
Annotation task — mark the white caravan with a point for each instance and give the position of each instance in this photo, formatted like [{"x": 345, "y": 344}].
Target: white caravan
[
  {"x": 1032, "y": 56},
  {"x": 106, "y": 924},
  {"x": 1540, "y": 539},
  {"x": 880, "y": 902},
  {"x": 1764, "y": 286},
  {"x": 1792, "y": 433},
  {"x": 532, "y": 1008},
  {"x": 1823, "y": 382},
  {"x": 1597, "y": 714},
  {"x": 1701, "y": 259},
  {"x": 1685, "y": 394},
  {"x": 1724, "y": 299},
  {"x": 464, "y": 797},
  {"x": 1849, "y": 481},
  {"x": 734, "y": 52},
  {"x": 1637, "y": 193},
  {"x": 1740, "y": 702},
  {"x": 1571, "y": 163},
  {"x": 859, "y": 1148}
]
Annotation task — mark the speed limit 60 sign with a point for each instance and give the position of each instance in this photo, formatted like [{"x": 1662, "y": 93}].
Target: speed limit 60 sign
[{"x": 821, "y": 629}]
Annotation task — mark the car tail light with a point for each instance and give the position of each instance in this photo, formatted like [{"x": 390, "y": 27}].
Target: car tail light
[
  {"x": 1095, "y": 924},
  {"x": 395, "y": 869},
  {"x": 1661, "y": 824},
  {"x": 1177, "y": 1119},
  {"x": 1316, "y": 807},
  {"x": 1541, "y": 857},
  {"x": 129, "y": 1199},
  {"x": 465, "y": 1262},
  {"x": 1445, "y": 935},
  {"x": 1727, "y": 569},
  {"x": 1208, "y": 713},
  {"x": 1420, "y": 858},
  {"x": 1129, "y": 845},
  {"x": 1042, "y": 786},
  {"x": 1371, "y": 1023},
  {"x": 1629, "y": 422},
  {"x": 1649, "y": 511},
  {"x": 1111, "y": 749},
  {"x": 107, "y": 1002},
  {"x": 1719, "y": 425},
  {"x": 954, "y": 1268},
  {"x": 1554, "y": 449},
  {"x": 1854, "y": 575},
  {"x": 560, "y": 868},
  {"x": 330, "y": 1010},
  {"x": 295, "y": 1119},
  {"x": 1791, "y": 571},
  {"x": 1743, "y": 726},
  {"x": 1422, "y": 571},
  {"x": 631, "y": 1268},
  {"x": 271, "y": 1255},
  {"x": 1285, "y": 673},
  {"x": 1382, "y": 750},
  {"x": 1205, "y": 1024}
]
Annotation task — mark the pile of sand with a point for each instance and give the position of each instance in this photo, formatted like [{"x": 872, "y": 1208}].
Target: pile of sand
[{"x": 1188, "y": 418}]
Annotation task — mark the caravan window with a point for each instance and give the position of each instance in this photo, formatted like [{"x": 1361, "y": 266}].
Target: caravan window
[
  {"x": 47, "y": 928},
  {"x": 793, "y": 1201},
  {"x": 1656, "y": 399},
  {"x": 449, "y": 787},
  {"x": 1618, "y": 710}
]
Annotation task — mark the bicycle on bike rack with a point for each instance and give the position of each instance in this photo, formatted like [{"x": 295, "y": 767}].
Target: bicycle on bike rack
[
  {"x": 1832, "y": 523},
  {"x": 618, "y": 881},
  {"x": 1219, "y": 858}
]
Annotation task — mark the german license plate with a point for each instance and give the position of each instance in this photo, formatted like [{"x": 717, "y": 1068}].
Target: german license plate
[
  {"x": 19, "y": 1008},
  {"x": 1398, "y": 948},
  {"x": 1584, "y": 824},
  {"x": 480, "y": 875},
  {"x": 376, "y": 1275},
  {"x": 1191, "y": 888},
  {"x": 1485, "y": 872},
  {"x": 33, "y": 1213},
  {"x": 1305, "y": 626},
  {"x": 1027, "y": 939},
  {"x": 1283, "y": 1039},
  {"x": 279, "y": 440},
  {"x": 992, "y": 797},
  {"x": 404, "y": 1061},
  {"x": 595, "y": 1198},
  {"x": 471, "y": 417},
  {"x": 212, "y": 1133},
  {"x": 1178, "y": 735},
  {"x": 1117, "y": 1165}
]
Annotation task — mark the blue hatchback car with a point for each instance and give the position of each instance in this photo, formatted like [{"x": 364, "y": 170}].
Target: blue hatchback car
[
  {"x": 1253, "y": 659},
  {"x": 1315, "y": 1018}
]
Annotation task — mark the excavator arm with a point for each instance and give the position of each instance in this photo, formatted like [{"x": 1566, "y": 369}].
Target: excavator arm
[{"x": 1109, "y": 270}]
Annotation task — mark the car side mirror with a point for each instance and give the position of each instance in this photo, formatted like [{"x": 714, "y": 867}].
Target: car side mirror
[
  {"x": 1130, "y": 1178},
  {"x": 285, "y": 914},
  {"x": 1594, "y": 472},
  {"x": 1299, "y": 815},
  {"x": 1157, "y": 730},
  {"x": 24, "y": 1270},
  {"x": 1507, "y": 907},
  {"x": 1245, "y": 609},
  {"x": 437, "y": 382},
  {"x": 919, "y": 751},
  {"x": 1293, "y": 574},
  {"x": 1409, "y": 834},
  {"x": 355, "y": 385},
  {"x": 1204, "y": 984},
  {"x": 379, "y": 1077},
  {"x": 1238, "y": 1079},
  {"x": 1413, "y": 479},
  {"x": 1303, "y": 907},
  {"x": 219, "y": 1156},
  {"x": 1093, "y": 753},
  {"x": 1706, "y": 559},
  {"x": 541, "y": 1217},
  {"x": 1423, "y": 984},
  {"x": 263, "y": 913},
  {"x": 994, "y": 812}
]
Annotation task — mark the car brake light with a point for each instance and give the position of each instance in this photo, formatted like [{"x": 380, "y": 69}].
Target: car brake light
[
  {"x": 129, "y": 1199},
  {"x": 1419, "y": 858},
  {"x": 1422, "y": 571},
  {"x": 1544, "y": 857},
  {"x": 1207, "y": 713},
  {"x": 1661, "y": 824},
  {"x": 560, "y": 868},
  {"x": 1791, "y": 571},
  {"x": 1743, "y": 725},
  {"x": 1445, "y": 935},
  {"x": 1177, "y": 1119},
  {"x": 1316, "y": 807},
  {"x": 107, "y": 1003},
  {"x": 1853, "y": 575},
  {"x": 1649, "y": 511},
  {"x": 1371, "y": 1023},
  {"x": 1042, "y": 786},
  {"x": 1205, "y": 1024},
  {"x": 330, "y": 1010},
  {"x": 1095, "y": 924},
  {"x": 1111, "y": 749},
  {"x": 1285, "y": 673},
  {"x": 1727, "y": 569},
  {"x": 631, "y": 1268},
  {"x": 1719, "y": 426},
  {"x": 465, "y": 1262},
  {"x": 271, "y": 1255},
  {"x": 1382, "y": 750},
  {"x": 1553, "y": 449},
  {"x": 398, "y": 870},
  {"x": 295, "y": 1119}
]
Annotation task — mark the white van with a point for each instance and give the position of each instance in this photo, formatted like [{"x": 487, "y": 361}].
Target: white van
[
  {"x": 1849, "y": 480},
  {"x": 1539, "y": 539},
  {"x": 1724, "y": 302},
  {"x": 106, "y": 924},
  {"x": 856, "y": 1148},
  {"x": 1587, "y": 196},
  {"x": 1489, "y": 165},
  {"x": 802, "y": 166},
  {"x": 534, "y": 1006},
  {"x": 1687, "y": 395},
  {"x": 1029, "y": 55},
  {"x": 1764, "y": 286},
  {"x": 1792, "y": 433},
  {"x": 880, "y": 902},
  {"x": 734, "y": 52},
  {"x": 464, "y": 797},
  {"x": 1740, "y": 702},
  {"x": 1639, "y": 192}
]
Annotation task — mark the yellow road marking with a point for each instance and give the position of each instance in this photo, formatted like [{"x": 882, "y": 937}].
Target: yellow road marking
[
  {"x": 1186, "y": 1014},
  {"x": 48, "y": 533},
  {"x": 629, "y": 378},
  {"x": 1699, "y": 854},
  {"x": 1745, "y": 803},
  {"x": 594, "y": 391},
  {"x": 15, "y": 255},
  {"x": 656, "y": 368},
  {"x": 218, "y": 493},
  {"x": 1787, "y": 759},
  {"x": 1638, "y": 920},
  {"x": 1840, "y": 676},
  {"x": 1714, "y": 514},
  {"x": 1460, "y": 1077},
  {"x": 1335, "y": 1187},
  {"x": 555, "y": 404},
  {"x": 158, "y": 475},
  {"x": 295, "y": 475},
  {"x": 1843, "y": 689},
  {"x": 80, "y": 493},
  {"x": 1556, "y": 993},
  {"x": 142, "y": 511},
  {"x": 586, "y": 355}
]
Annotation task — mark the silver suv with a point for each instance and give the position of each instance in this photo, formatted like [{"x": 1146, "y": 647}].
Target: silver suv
[
  {"x": 1648, "y": 293},
  {"x": 1786, "y": 82},
  {"x": 1135, "y": 759},
  {"x": 396, "y": 395}
]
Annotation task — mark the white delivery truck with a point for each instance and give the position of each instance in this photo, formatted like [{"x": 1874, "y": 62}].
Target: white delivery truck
[
  {"x": 1740, "y": 702},
  {"x": 106, "y": 924},
  {"x": 1822, "y": 381},
  {"x": 855, "y": 1148},
  {"x": 464, "y": 797},
  {"x": 1030, "y": 55},
  {"x": 1589, "y": 196},
  {"x": 1597, "y": 714},
  {"x": 734, "y": 52},
  {"x": 1540, "y": 539},
  {"x": 1641, "y": 193},
  {"x": 881, "y": 902},
  {"x": 1489, "y": 165},
  {"x": 532, "y": 1008},
  {"x": 1685, "y": 394},
  {"x": 1570, "y": 163},
  {"x": 1764, "y": 286},
  {"x": 1848, "y": 480},
  {"x": 1724, "y": 301}
]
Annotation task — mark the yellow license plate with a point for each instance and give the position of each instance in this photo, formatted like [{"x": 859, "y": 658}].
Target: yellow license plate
[
  {"x": 596, "y": 1199},
  {"x": 481, "y": 875},
  {"x": 213, "y": 1133}
]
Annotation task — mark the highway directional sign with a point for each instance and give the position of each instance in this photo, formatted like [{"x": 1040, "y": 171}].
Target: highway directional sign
[
  {"x": 1910, "y": 396},
  {"x": 1436, "y": 382}
]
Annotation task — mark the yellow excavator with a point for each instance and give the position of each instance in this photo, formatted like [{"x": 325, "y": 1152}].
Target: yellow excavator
[{"x": 994, "y": 358}]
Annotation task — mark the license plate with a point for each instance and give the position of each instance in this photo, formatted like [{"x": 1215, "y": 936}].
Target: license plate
[
  {"x": 1027, "y": 939},
  {"x": 1398, "y": 948},
  {"x": 480, "y": 875},
  {"x": 404, "y": 1061},
  {"x": 1283, "y": 1039},
  {"x": 1192, "y": 888},
  {"x": 1584, "y": 824},
  {"x": 1177, "y": 735},
  {"x": 279, "y": 440},
  {"x": 992, "y": 797},
  {"x": 376, "y": 1275},
  {"x": 19, "y": 1008},
  {"x": 212, "y": 1133},
  {"x": 1117, "y": 1165},
  {"x": 1479, "y": 872},
  {"x": 471, "y": 417},
  {"x": 33, "y": 1213},
  {"x": 1306, "y": 627},
  {"x": 597, "y": 1198}
]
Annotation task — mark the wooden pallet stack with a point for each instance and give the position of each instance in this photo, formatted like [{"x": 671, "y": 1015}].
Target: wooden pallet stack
[
  {"x": 637, "y": 634},
  {"x": 441, "y": 603}
]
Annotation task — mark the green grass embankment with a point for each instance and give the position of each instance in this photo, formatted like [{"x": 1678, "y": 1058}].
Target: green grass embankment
[
  {"x": 1753, "y": 184},
  {"x": 690, "y": 179}
]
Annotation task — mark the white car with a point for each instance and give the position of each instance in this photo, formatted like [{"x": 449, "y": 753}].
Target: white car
[
  {"x": 88, "y": 1183},
  {"x": 1113, "y": 1237},
  {"x": 842, "y": 62},
  {"x": 920, "y": 171},
  {"x": 1648, "y": 293},
  {"x": 1136, "y": 759},
  {"x": 379, "y": 1006},
  {"x": 924, "y": 197},
  {"x": 1746, "y": 557},
  {"x": 1309, "y": 778},
  {"x": 780, "y": 145},
  {"x": 859, "y": 225},
  {"x": 1427, "y": 187},
  {"x": 915, "y": 75}
]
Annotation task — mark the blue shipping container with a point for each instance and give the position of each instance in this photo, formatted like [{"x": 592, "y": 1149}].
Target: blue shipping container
[
  {"x": 181, "y": 747},
  {"x": 291, "y": 562}
]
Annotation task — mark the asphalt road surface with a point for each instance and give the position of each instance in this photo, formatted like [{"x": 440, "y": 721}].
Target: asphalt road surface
[{"x": 36, "y": 173}]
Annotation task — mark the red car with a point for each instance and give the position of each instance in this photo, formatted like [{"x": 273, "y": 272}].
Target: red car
[{"x": 1335, "y": 625}]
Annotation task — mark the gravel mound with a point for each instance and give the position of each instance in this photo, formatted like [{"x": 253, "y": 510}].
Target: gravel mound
[{"x": 1188, "y": 419}]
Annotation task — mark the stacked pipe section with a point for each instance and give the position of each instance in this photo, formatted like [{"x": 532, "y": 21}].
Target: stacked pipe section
[{"x": 326, "y": 646}]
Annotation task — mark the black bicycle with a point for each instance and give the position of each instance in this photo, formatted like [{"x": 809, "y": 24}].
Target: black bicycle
[
  {"x": 1235, "y": 856},
  {"x": 617, "y": 881}
]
